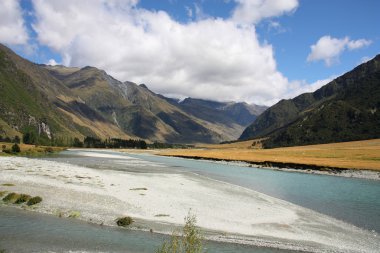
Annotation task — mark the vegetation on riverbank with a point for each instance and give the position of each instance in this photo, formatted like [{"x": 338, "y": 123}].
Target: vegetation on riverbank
[
  {"x": 124, "y": 221},
  {"x": 20, "y": 198},
  {"x": 7, "y": 148},
  {"x": 190, "y": 240},
  {"x": 345, "y": 155}
]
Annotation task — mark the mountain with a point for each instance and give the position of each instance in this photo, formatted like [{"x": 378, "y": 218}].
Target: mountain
[
  {"x": 58, "y": 102},
  {"x": 32, "y": 100},
  {"x": 137, "y": 110},
  {"x": 346, "y": 109},
  {"x": 241, "y": 113}
]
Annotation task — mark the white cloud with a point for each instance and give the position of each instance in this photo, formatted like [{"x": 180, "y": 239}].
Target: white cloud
[
  {"x": 52, "y": 62},
  {"x": 329, "y": 49},
  {"x": 208, "y": 58},
  {"x": 253, "y": 11},
  {"x": 299, "y": 87},
  {"x": 12, "y": 29},
  {"x": 189, "y": 11},
  {"x": 356, "y": 44}
]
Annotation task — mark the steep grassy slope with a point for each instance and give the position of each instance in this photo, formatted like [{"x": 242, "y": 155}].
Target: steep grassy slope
[
  {"x": 346, "y": 109},
  {"x": 32, "y": 100},
  {"x": 135, "y": 109}
]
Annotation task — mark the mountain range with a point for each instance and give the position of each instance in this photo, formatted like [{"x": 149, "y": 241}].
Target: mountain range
[
  {"x": 57, "y": 103},
  {"x": 346, "y": 109}
]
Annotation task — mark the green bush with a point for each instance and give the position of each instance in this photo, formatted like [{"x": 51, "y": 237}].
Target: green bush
[
  {"x": 11, "y": 197},
  {"x": 124, "y": 221},
  {"x": 190, "y": 241},
  {"x": 74, "y": 214},
  {"x": 34, "y": 200},
  {"x": 49, "y": 150},
  {"x": 16, "y": 148},
  {"x": 22, "y": 198}
]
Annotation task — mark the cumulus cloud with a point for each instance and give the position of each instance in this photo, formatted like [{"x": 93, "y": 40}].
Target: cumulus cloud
[
  {"x": 329, "y": 49},
  {"x": 208, "y": 58},
  {"x": 52, "y": 62},
  {"x": 355, "y": 44},
  {"x": 252, "y": 11},
  {"x": 12, "y": 29},
  {"x": 298, "y": 87}
]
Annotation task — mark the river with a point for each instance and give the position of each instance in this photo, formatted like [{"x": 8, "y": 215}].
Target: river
[{"x": 355, "y": 201}]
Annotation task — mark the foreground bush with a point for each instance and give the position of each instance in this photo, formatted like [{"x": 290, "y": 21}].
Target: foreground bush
[
  {"x": 22, "y": 198},
  {"x": 16, "y": 148},
  {"x": 34, "y": 200},
  {"x": 124, "y": 221},
  {"x": 190, "y": 241},
  {"x": 11, "y": 197}
]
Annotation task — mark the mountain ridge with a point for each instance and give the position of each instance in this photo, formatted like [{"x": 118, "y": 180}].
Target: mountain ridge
[
  {"x": 79, "y": 102},
  {"x": 339, "y": 111}
]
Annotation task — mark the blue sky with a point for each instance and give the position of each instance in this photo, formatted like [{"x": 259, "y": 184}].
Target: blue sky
[{"x": 258, "y": 51}]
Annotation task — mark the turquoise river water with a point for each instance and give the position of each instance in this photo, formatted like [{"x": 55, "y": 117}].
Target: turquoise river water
[{"x": 356, "y": 201}]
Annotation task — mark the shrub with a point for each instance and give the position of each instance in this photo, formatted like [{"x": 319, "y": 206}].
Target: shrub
[
  {"x": 190, "y": 241},
  {"x": 8, "y": 151},
  {"x": 16, "y": 148},
  {"x": 22, "y": 198},
  {"x": 34, "y": 200},
  {"x": 7, "y": 184},
  {"x": 74, "y": 214},
  {"x": 11, "y": 197},
  {"x": 124, "y": 221},
  {"x": 49, "y": 150}
]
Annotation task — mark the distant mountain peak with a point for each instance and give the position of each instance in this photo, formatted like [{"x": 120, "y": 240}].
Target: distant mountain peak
[{"x": 143, "y": 86}]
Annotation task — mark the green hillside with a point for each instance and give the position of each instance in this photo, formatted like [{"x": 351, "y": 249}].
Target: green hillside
[{"x": 345, "y": 109}]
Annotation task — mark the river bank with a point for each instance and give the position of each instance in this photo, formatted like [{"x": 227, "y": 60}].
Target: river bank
[
  {"x": 359, "y": 159},
  {"x": 160, "y": 201},
  {"x": 292, "y": 167}
]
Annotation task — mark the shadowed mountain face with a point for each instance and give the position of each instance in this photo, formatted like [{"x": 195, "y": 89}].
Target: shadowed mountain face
[
  {"x": 345, "y": 109},
  {"x": 63, "y": 102},
  {"x": 242, "y": 114}
]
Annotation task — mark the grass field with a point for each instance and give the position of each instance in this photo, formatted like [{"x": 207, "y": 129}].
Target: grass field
[{"x": 347, "y": 155}]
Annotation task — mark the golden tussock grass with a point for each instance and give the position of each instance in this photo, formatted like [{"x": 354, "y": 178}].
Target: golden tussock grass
[{"x": 349, "y": 155}]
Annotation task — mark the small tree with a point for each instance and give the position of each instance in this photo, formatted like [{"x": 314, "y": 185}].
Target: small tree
[
  {"x": 16, "y": 148},
  {"x": 16, "y": 139},
  {"x": 190, "y": 241},
  {"x": 77, "y": 143}
]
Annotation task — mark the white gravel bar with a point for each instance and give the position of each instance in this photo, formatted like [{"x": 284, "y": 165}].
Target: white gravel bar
[{"x": 160, "y": 200}]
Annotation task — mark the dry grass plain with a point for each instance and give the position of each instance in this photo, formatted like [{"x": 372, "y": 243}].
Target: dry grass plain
[{"x": 345, "y": 155}]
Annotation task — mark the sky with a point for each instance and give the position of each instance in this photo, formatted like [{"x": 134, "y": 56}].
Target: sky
[{"x": 257, "y": 51}]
